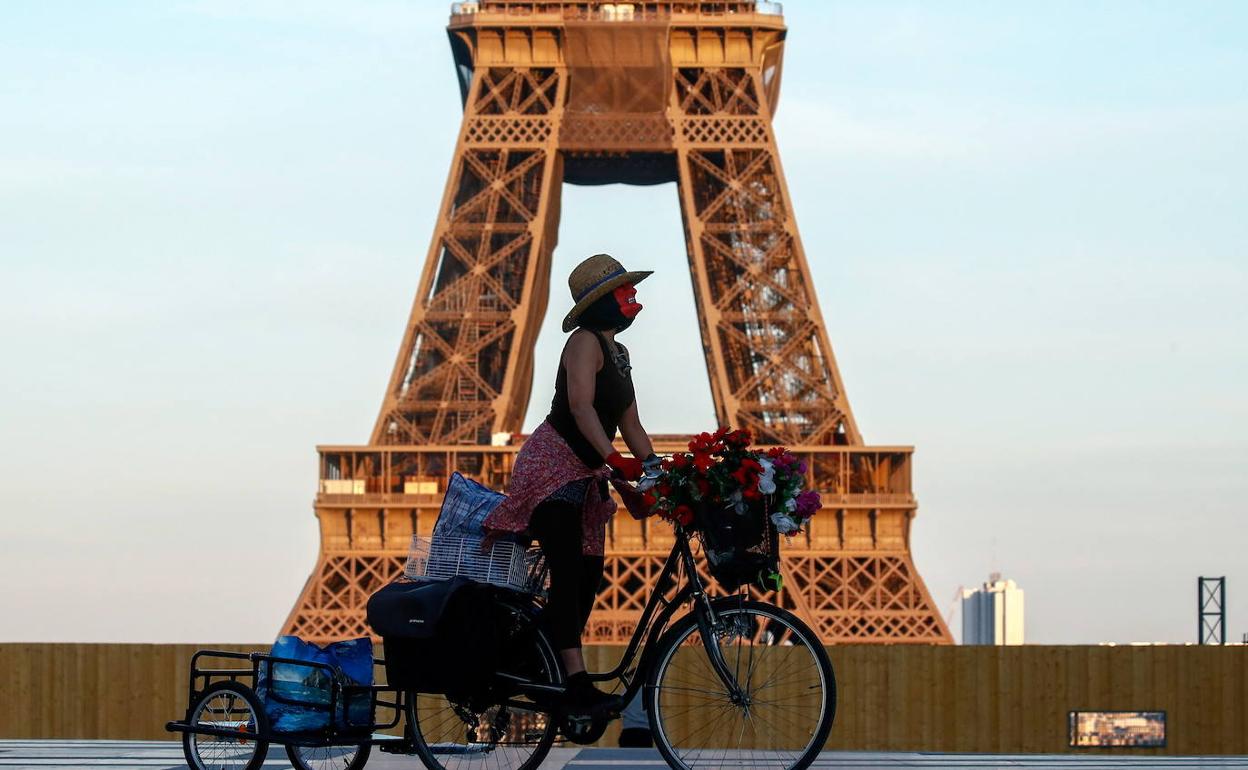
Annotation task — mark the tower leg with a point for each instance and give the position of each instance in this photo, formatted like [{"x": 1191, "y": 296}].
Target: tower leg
[
  {"x": 464, "y": 369},
  {"x": 767, "y": 350},
  {"x": 769, "y": 358}
]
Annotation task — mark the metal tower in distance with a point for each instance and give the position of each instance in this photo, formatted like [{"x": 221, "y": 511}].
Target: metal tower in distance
[
  {"x": 636, "y": 93},
  {"x": 1211, "y": 610}
]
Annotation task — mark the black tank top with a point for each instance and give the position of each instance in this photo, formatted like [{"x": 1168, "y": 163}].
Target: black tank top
[{"x": 613, "y": 393}]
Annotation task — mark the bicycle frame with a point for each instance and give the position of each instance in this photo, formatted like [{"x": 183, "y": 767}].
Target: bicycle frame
[{"x": 654, "y": 620}]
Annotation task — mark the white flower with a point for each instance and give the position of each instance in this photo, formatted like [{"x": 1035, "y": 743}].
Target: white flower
[
  {"x": 790, "y": 505},
  {"x": 767, "y": 479},
  {"x": 784, "y": 524}
]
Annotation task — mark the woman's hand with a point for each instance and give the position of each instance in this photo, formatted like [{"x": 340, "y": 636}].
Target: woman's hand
[
  {"x": 633, "y": 500},
  {"x": 629, "y": 468}
]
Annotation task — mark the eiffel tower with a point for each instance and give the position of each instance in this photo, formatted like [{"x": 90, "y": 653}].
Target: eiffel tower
[{"x": 586, "y": 92}]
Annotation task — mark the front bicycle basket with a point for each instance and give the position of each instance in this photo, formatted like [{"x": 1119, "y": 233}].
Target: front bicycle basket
[{"x": 741, "y": 548}]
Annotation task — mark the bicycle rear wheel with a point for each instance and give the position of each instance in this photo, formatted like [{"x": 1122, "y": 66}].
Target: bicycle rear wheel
[
  {"x": 787, "y": 704},
  {"x": 226, "y": 706},
  {"x": 328, "y": 757},
  {"x": 504, "y": 732}
]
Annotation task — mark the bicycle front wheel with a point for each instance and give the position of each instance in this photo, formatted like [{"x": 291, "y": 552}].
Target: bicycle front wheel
[{"x": 786, "y": 703}]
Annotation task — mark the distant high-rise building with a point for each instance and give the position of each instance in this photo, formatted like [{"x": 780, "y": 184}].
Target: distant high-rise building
[{"x": 993, "y": 614}]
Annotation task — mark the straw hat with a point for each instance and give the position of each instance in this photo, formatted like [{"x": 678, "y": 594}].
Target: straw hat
[{"x": 596, "y": 276}]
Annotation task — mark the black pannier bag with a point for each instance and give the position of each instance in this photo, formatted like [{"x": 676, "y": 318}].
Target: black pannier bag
[{"x": 439, "y": 636}]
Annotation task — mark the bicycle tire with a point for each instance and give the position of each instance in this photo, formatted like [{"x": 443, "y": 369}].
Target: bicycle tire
[
  {"x": 733, "y": 609},
  {"x": 430, "y": 757},
  {"x": 224, "y": 695},
  {"x": 318, "y": 757}
]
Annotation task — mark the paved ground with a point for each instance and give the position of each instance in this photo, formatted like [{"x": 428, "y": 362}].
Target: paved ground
[{"x": 152, "y": 755}]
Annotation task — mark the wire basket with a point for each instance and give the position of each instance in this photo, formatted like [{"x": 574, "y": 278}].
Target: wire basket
[
  {"x": 508, "y": 564},
  {"x": 741, "y": 549}
]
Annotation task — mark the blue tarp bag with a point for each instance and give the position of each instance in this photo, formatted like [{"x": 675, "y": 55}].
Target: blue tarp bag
[
  {"x": 297, "y": 697},
  {"x": 464, "y": 507},
  {"x": 455, "y": 549}
]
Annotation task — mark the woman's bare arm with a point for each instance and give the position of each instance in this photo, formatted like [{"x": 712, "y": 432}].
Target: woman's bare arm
[
  {"x": 582, "y": 358},
  {"x": 634, "y": 434}
]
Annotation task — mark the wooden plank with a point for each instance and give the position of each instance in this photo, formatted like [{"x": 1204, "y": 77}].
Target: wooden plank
[
  {"x": 899, "y": 672},
  {"x": 1055, "y": 699},
  {"x": 48, "y": 677},
  {"x": 851, "y": 717},
  {"x": 1165, "y": 680},
  {"x": 17, "y": 688},
  {"x": 844, "y": 666},
  {"x": 945, "y": 718},
  {"x": 873, "y": 697},
  {"x": 987, "y": 693},
  {"x": 918, "y": 682},
  {"x": 1241, "y": 745},
  {"x": 1007, "y": 701}
]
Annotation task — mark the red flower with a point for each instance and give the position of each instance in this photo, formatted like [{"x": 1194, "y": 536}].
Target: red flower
[
  {"x": 747, "y": 474},
  {"x": 702, "y": 461},
  {"x": 683, "y": 515},
  {"x": 776, "y": 452},
  {"x": 680, "y": 461},
  {"x": 649, "y": 499},
  {"x": 664, "y": 489},
  {"x": 707, "y": 444},
  {"x": 738, "y": 439}
]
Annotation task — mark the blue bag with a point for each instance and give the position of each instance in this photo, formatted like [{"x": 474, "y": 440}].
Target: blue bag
[
  {"x": 297, "y": 697},
  {"x": 464, "y": 508},
  {"x": 455, "y": 547}
]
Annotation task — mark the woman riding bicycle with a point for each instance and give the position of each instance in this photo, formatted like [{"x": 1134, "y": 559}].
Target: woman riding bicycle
[{"x": 558, "y": 489}]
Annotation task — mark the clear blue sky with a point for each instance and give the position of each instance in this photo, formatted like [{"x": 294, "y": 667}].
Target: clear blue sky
[{"x": 1027, "y": 225}]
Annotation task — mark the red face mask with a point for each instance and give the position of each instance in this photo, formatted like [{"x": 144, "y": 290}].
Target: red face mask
[{"x": 626, "y": 297}]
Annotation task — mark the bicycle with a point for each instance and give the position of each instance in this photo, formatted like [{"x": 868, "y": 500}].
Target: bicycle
[{"x": 733, "y": 682}]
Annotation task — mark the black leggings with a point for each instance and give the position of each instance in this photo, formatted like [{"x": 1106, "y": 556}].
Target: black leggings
[{"x": 574, "y": 577}]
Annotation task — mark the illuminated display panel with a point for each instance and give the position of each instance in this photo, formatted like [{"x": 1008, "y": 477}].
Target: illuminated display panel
[{"x": 1118, "y": 729}]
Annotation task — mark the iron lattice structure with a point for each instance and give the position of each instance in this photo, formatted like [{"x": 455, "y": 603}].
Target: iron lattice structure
[
  {"x": 644, "y": 93},
  {"x": 1211, "y": 610}
]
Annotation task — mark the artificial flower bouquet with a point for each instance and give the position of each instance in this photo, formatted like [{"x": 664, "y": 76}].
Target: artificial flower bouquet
[{"x": 720, "y": 476}]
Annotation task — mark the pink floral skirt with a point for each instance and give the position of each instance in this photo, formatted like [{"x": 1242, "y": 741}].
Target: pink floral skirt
[{"x": 544, "y": 465}]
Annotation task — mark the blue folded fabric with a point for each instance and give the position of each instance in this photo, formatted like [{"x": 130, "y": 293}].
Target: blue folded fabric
[
  {"x": 297, "y": 698},
  {"x": 464, "y": 508}
]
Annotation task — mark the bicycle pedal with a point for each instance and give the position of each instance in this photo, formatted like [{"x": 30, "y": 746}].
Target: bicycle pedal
[{"x": 584, "y": 729}]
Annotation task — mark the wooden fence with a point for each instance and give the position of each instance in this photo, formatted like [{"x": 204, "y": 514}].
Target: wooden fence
[{"x": 892, "y": 698}]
